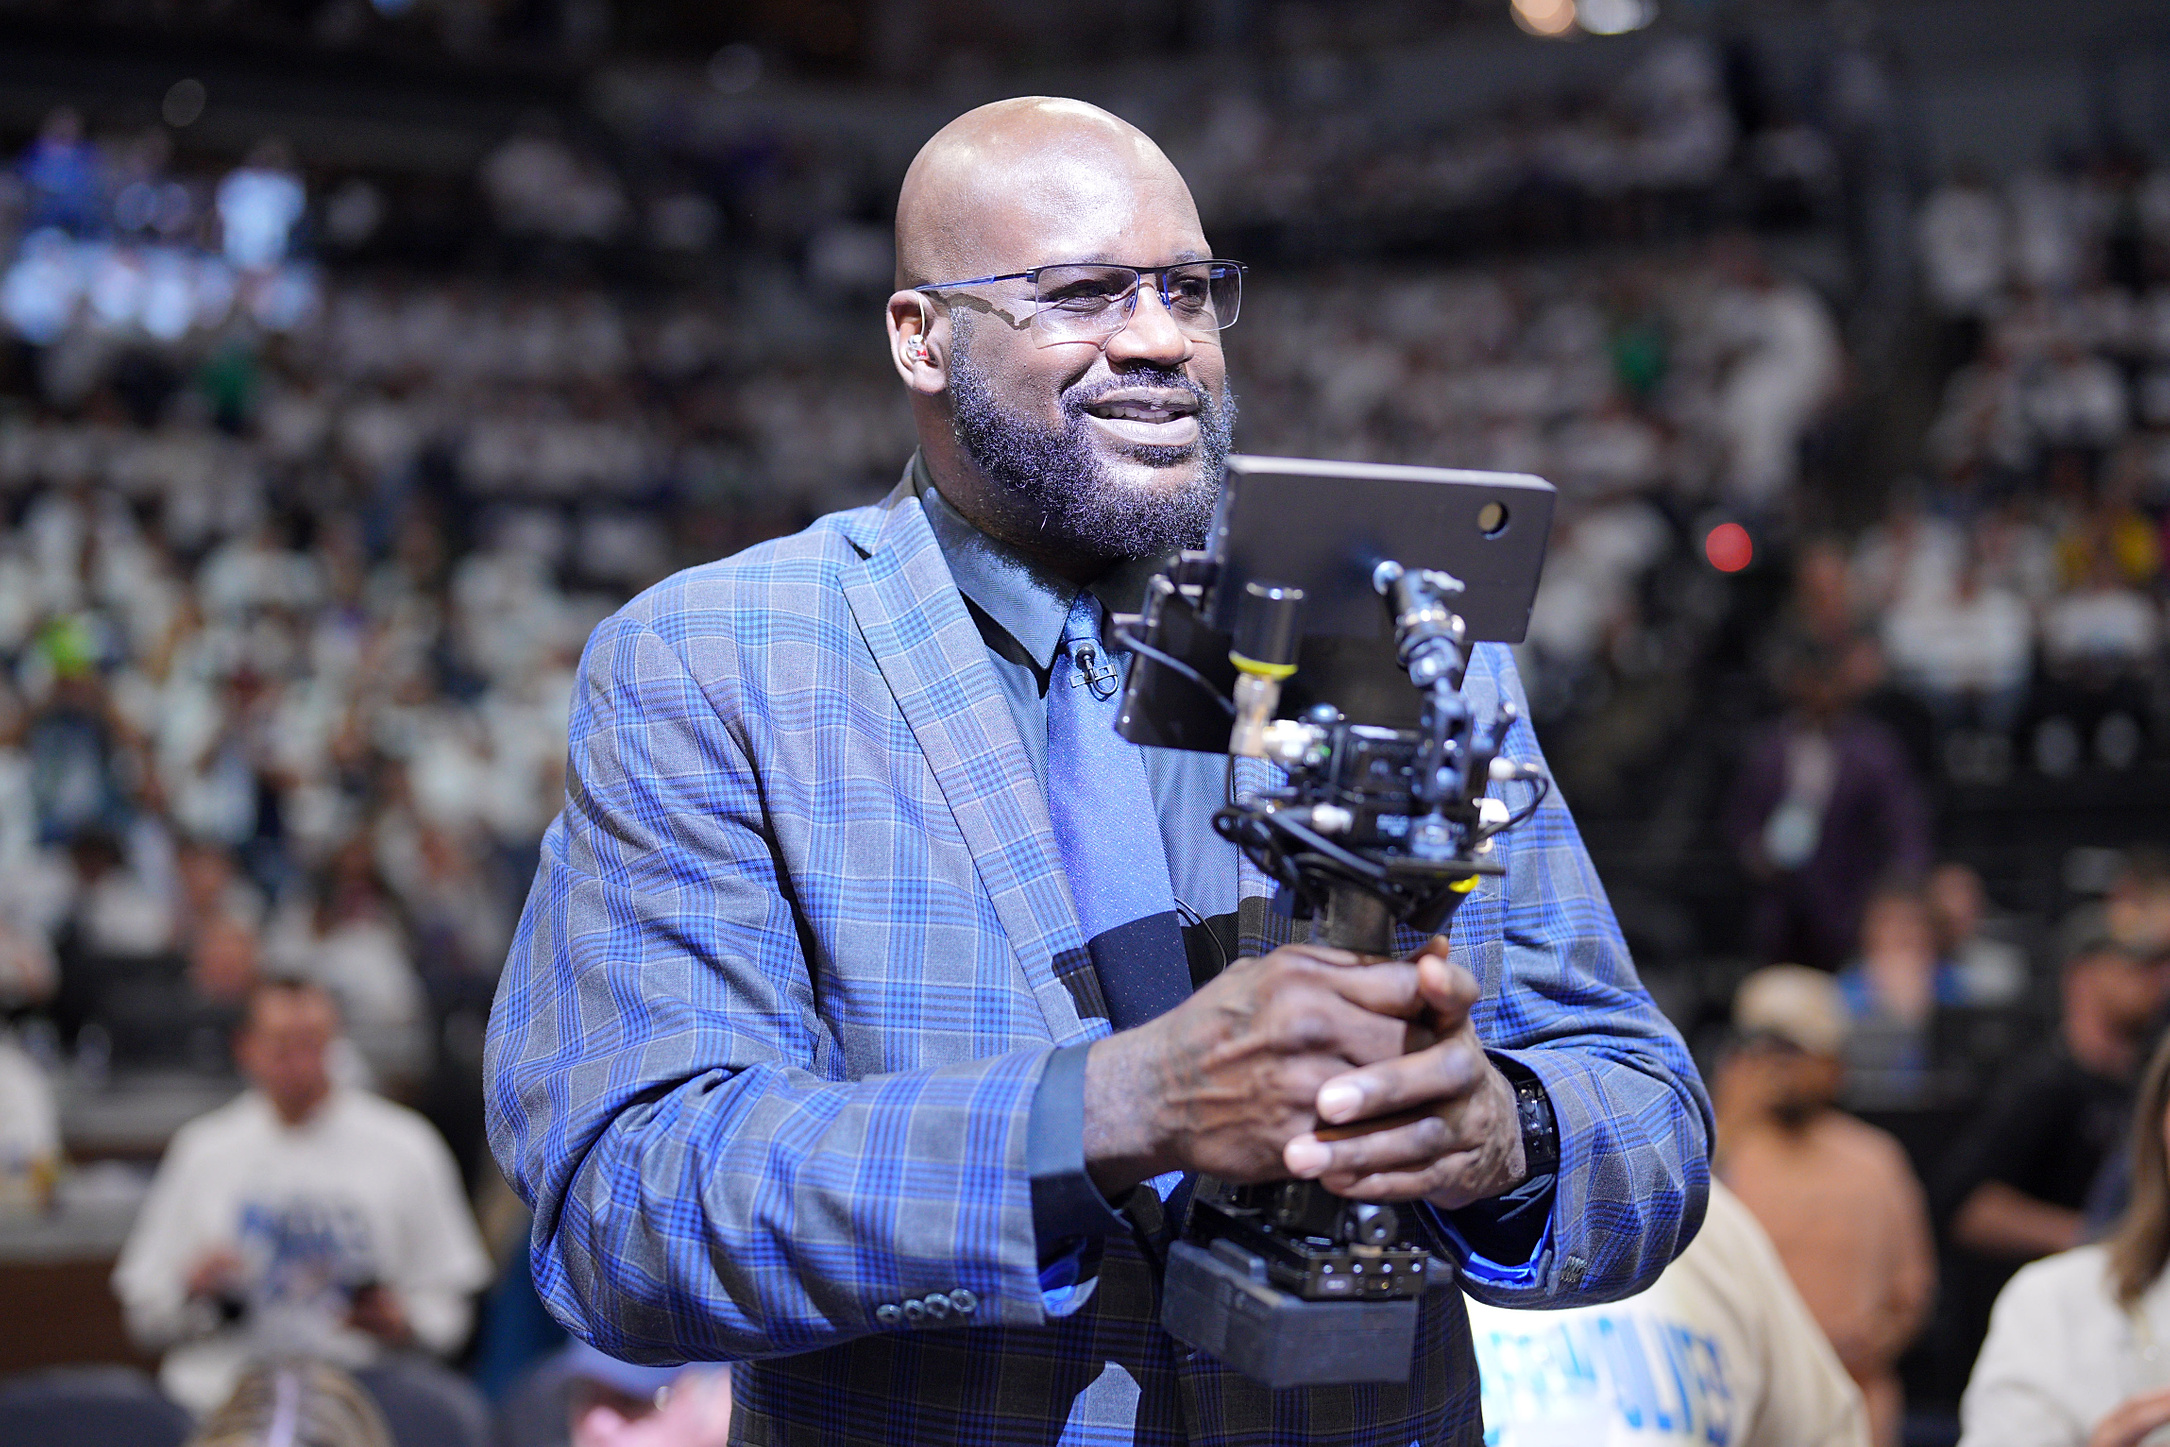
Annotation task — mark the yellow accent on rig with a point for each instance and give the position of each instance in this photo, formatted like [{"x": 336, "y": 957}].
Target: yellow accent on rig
[{"x": 1275, "y": 671}]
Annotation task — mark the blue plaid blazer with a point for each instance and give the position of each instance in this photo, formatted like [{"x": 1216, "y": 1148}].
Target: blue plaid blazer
[{"x": 796, "y": 953}]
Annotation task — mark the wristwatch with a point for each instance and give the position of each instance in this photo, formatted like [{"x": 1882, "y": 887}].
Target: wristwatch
[{"x": 1540, "y": 1131}]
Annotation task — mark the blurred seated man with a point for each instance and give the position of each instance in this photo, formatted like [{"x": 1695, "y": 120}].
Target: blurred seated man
[
  {"x": 2137, "y": 908},
  {"x": 1724, "y": 1323},
  {"x": 2016, "y": 1182},
  {"x": 1894, "y": 992},
  {"x": 1837, "y": 1196},
  {"x": 301, "y": 1217},
  {"x": 1891, "y": 992},
  {"x": 1988, "y": 965}
]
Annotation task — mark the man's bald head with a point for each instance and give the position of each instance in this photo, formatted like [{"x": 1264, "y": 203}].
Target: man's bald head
[{"x": 997, "y": 185}]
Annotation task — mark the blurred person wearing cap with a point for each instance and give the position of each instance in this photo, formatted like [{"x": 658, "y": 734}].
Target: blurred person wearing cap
[{"x": 1837, "y": 1196}]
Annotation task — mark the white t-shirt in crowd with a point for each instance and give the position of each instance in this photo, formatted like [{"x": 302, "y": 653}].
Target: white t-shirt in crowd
[
  {"x": 2062, "y": 1354},
  {"x": 363, "y": 1192},
  {"x": 1719, "y": 1352}
]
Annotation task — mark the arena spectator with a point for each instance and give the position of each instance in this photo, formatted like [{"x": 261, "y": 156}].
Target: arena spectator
[
  {"x": 1824, "y": 806},
  {"x": 2137, "y": 909},
  {"x": 2072, "y": 1358},
  {"x": 1893, "y": 993},
  {"x": 2015, "y": 1184},
  {"x": 1785, "y": 369},
  {"x": 1962, "y": 237},
  {"x": 1966, "y": 652},
  {"x": 61, "y": 173},
  {"x": 1720, "y": 1347},
  {"x": 29, "y": 1130},
  {"x": 259, "y": 204},
  {"x": 302, "y": 1217},
  {"x": 1976, "y": 945},
  {"x": 1837, "y": 1197},
  {"x": 346, "y": 937}
]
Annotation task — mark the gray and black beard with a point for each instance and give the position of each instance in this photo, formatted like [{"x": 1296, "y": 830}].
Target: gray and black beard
[{"x": 1057, "y": 495}]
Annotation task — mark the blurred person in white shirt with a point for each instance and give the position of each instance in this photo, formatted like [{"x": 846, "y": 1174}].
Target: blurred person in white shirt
[
  {"x": 1965, "y": 252},
  {"x": 2075, "y": 1352},
  {"x": 1966, "y": 652},
  {"x": 259, "y": 204},
  {"x": 301, "y": 1217},
  {"x": 2102, "y": 627},
  {"x": 1787, "y": 365},
  {"x": 1719, "y": 1349}
]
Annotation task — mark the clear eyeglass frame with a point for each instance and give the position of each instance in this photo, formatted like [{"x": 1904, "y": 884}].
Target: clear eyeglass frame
[{"x": 1091, "y": 301}]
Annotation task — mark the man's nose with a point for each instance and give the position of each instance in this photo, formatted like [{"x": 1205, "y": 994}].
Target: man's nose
[{"x": 1151, "y": 335}]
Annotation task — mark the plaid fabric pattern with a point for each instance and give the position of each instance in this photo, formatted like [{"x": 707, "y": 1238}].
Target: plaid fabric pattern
[{"x": 796, "y": 952}]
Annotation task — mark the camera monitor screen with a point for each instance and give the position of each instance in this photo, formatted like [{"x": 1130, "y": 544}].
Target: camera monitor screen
[{"x": 1324, "y": 526}]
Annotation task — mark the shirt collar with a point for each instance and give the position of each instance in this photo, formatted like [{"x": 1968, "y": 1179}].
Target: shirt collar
[{"x": 1025, "y": 598}]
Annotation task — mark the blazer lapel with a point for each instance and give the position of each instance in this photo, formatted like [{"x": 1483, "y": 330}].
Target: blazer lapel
[{"x": 935, "y": 663}]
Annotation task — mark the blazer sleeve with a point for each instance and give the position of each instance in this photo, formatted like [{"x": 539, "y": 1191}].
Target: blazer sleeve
[
  {"x": 663, "y": 1093},
  {"x": 1562, "y": 999}
]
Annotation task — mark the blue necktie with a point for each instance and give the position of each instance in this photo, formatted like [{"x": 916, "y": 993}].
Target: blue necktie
[{"x": 1107, "y": 831}]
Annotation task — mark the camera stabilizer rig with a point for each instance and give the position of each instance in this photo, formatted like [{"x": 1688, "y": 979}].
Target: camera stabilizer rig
[{"x": 1378, "y": 826}]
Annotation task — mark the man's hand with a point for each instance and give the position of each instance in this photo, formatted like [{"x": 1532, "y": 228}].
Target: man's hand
[
  {"x": 1448, "y": 1131},
  {"x": 218, "y": 1272},
  {"x": 1224, "y": 1081},
  {"x": 377, "y": 1311}
]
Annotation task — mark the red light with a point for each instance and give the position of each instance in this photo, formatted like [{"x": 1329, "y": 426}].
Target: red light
[{"x": 1729, "y": 548}]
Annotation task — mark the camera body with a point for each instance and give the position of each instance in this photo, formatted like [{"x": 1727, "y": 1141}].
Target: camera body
[{"x": 1326, "y": 632}]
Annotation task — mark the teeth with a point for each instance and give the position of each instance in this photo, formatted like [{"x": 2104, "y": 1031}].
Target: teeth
[{"x": 1137, "y": 412}]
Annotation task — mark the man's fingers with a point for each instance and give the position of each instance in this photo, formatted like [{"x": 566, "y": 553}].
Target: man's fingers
[
  {"x": 1413, "y": 1146},
  {"x": 1392, "y": 1185},
  {"x": 1448, "y": 990},
  {"x": 1449, "y": 1069},
  {"x": 1386, "y": 987}
]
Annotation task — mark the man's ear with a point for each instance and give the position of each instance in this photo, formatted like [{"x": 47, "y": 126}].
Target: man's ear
[{"x": 918, "y": 342}]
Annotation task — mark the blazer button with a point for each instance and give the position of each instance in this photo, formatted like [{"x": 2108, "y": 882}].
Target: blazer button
[
  {"x": 887, "y": 1314},
  {"x": 937, "y": 1306},
  {"x": 914, "y": 1313},
  {"x": 964, "y": 1302}
]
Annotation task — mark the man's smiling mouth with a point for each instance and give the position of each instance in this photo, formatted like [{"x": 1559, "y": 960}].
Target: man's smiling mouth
[{"x": 1157, "y": 415}]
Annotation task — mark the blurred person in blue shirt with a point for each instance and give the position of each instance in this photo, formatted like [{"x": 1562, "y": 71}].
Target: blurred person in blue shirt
[{"x": 61, "y": 173}]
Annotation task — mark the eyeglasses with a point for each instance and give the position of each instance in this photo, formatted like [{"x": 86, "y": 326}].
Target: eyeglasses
[{"x": 1087, "y": 301}]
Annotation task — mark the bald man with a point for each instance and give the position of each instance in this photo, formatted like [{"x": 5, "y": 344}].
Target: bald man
[{"x": 806, "y": 1056}]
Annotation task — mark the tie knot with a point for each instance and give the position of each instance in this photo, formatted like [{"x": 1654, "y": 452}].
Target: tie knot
[
  {"x": 1083, "y": 624},
  {"x": 1090, "y": 666}
]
